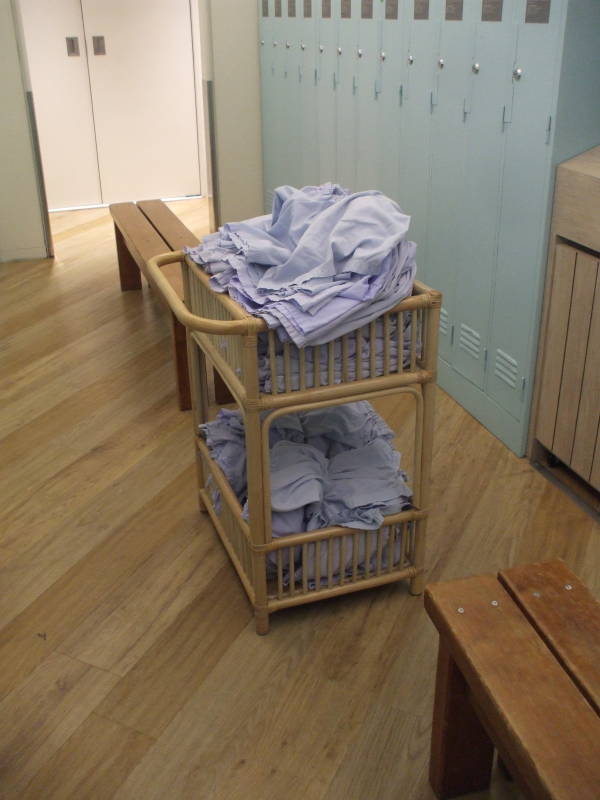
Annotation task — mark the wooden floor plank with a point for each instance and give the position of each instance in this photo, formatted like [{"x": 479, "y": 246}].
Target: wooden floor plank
[
  {"x": 61, "y": 608},
  {"x": 168, "y": 674},
  {"x": 92, "y": 764},
  {"x": 38, "y": 717}
]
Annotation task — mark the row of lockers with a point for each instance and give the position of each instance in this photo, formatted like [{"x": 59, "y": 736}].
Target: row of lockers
[
  {"x": 536, "y": 11},
  {"x": 457, "y": 123}
]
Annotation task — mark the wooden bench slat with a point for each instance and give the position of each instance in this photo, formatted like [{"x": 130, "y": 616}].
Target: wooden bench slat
[
  {"x": 521, "y": 692},
  {"x": 141, "y": 237},
  {"x": 567, "y": 619},
  {"x": 171, "y": 228}
]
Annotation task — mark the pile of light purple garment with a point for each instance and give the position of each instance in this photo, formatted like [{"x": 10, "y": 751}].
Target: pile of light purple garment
[
  {"x": 324, "y": 263},
  {"x": 329, "y": 467}
]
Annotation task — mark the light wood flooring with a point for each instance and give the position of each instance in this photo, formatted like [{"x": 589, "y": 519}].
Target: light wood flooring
[{"x": 129, "y": 666}]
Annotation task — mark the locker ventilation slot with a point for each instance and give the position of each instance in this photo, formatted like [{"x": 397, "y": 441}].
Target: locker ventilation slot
[
  {"x": 444, "y": 322},
  {"x": 469, "y": 341},
  {"x": 506, "y": 368}
]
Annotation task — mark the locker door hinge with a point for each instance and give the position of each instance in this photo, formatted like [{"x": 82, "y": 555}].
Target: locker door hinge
[
  {"x": 432, "y": 101},
  {"x": 401, "y": 95},
  {"x": 334, "y": 81},
  {"x": 354, "y": 84},
  {"x": 549, "y": 129},
  {"x": 505, "y": 118},
  {"x": 300, "y": 74},
  {"x": 316, "y": 76},
  {"x": 485, "y": 359},
  {"x": 523, "y": 385},
  {"x": 466, "y": 110},
  {"x": 452, "y": 335},
  {"x": 377, "y": 88}
]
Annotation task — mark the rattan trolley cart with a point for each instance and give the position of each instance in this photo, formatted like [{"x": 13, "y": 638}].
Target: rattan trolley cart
[{"x": 331, "y": 561}]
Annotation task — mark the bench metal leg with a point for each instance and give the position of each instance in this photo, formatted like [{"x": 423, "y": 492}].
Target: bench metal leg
[
  {"x": 181, "y": 366},
  {"x": 461, "y": 751},
  {"x": 129, "y": 272}
]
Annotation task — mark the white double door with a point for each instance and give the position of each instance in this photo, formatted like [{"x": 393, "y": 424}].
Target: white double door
[{"x": 115, "y": 99}]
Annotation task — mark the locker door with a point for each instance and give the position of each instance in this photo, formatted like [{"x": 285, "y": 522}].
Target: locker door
[
  {"x": 142, "y": 72},
  {"x": 489, "y": 92},
  {"x": 368, "y": 69},
  {"x": 392, "y": 81},
  {"x": 268, "y": 94},
  {"x": 63, "y": 105},
  {"x": 423, "y": 18},
  {"x": 525, "y": 207},
  {"x": 445, "y": 221},
  {"x": 291, "y": 110},
  {"x": 327, "y": 80},
  {"x": 307, "y": 32},
  {"x": 346, "y": 93},
  {"x": 274, "y": 146}
]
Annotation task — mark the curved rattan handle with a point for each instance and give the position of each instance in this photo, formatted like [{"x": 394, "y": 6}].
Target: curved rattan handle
[{"x": 183, "y": 314}]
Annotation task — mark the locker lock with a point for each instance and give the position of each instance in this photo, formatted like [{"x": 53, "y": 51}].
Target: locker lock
[
  {"x": 262, "y": 42},
  {"x": 359, "y": 53},
  {"x": 274, "y": 44},
  {"x": 411, "y": 59},
  {"x": 321, "y": 49},
  {"x": 339, "y": 51},
  {"x": 382, "y": 55},
  {"x": 517, "y": 73},
  {"x": 288, "y": 45},
  {"x": 441, "y": 63},
  {"x": 302, "y": 46},
  {"x": 476, "y": 68}
]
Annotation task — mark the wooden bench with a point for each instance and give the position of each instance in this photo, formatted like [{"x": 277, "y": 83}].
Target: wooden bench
[
  {"x": 518, "y": 671},
  {"x": 141, "y": 232}
]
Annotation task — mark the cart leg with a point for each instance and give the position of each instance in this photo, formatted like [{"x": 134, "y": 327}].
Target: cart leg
[
  {"x": 261, "y": 619},
  {"x": 417, "y": 584}
]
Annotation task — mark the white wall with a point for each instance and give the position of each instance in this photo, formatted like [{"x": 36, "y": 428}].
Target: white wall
[
  {"x": 21, "y": 221},
  {"x": 235, "y": 71}
]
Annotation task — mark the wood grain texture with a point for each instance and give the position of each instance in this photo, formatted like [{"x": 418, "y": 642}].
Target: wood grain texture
[
  {"x": 565, "y": 614},
  {"x": 92, "y": 763},
  {"x": 578, "y": 199},
  {"x": 555, "y": 343},
  {"x": 584, "y": 286},
  {"x": 528, "y": 703},
  {"x": 98, "y": 477},
  {"x": 588, "y": 417}
]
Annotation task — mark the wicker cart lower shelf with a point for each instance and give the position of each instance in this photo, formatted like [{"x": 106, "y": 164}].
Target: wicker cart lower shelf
[{"x": 392, "y": 356}]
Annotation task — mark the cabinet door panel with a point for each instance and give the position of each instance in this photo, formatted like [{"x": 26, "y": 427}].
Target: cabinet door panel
[
  {"x": 268, "y": 35},
  {"x": 588, "y": 417},
  {"x": 63, "y": 105},
  {"x": 524, "y": 213},
  {"x": 144, "y": 98},
  {"x": 575, "y": 356},
  {"x": 291, "y": 146},
  {"x": 555, "y": 343}
]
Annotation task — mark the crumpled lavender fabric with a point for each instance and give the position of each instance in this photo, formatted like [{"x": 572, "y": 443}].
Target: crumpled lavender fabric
[{"x": 323, "y": 264}]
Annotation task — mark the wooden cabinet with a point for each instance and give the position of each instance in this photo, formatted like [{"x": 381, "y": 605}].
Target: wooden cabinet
[{"x": 567, "y": 423}]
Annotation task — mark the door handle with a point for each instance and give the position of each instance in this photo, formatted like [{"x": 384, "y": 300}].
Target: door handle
[{"x": 99, "y": 45}]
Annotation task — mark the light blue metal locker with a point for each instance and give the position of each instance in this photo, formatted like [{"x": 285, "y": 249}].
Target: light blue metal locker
[
  {"x": 307, "y": 77},
  {"x": 346, "y": 88},
  {"x": 423, "y": 20},
  {"x": 526, "y": 187},
  {"x": 445, "y": 217},
  {"x": 489, "y": 90},
  {"x": 327, "y": 80},
  {"x": 291, "y": 97},
  {"x": 268, "y": 67},
  {"x": 392, "y": 80},
  {"x": 368, "y": 82}
]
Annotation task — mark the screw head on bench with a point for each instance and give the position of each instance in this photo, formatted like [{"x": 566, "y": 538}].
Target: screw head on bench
[
  {"x": 460, "y": 610},
  {"x": 494, "y": 602},
  {"x": 536, "y": 594},
  {"x": 568, "y": 587}
]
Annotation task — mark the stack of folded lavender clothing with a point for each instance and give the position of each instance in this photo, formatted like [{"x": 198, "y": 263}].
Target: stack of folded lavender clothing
[
  {"x": 323, "y": 264},
  {"x": 329, "y": 467}
]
